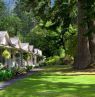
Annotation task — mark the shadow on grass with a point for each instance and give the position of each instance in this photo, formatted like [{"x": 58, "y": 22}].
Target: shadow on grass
[
  {"x": 67, "y": 70},
  {"x": 39, "y": 85}
]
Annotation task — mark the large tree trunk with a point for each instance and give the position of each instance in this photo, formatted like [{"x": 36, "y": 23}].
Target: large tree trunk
[
  {"x": 91, "y": 27},
  {"x": 82, "y": 59}
]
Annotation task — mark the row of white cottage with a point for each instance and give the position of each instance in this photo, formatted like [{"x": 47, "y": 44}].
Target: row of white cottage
[{"x": 14, "y": 45}]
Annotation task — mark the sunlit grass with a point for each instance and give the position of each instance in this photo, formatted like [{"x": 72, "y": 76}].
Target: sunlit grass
[{"x": 54, "y": 81}]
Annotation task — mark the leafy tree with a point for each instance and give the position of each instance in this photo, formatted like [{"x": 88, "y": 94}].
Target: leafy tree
[
  {"x": 2, "y": 7},
  {"x": 55, "y": 19},
  {"x": 12, "y": 24},
  {"x": 27, "y": 18}
]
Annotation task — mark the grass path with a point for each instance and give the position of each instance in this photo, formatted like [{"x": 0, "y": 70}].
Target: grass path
[{"x": 55, "y": 81}]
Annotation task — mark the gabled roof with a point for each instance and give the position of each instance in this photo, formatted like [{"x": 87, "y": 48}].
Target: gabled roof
[
  {"x": 4, "y": 38},
  {"x": 31, "y": 48},
  {"x": 25, "y": 46},
  {"x": 39, "y": 52},
  {"x": 35, "y": 51},
  {"x": 16, "y": 42}
]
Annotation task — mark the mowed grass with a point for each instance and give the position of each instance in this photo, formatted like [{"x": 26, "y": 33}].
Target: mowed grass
[{"x": 54, "y": 81}]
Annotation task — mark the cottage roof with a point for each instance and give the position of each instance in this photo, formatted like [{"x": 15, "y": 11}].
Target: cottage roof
[
  {"x": 16, "y": 42},
  {"x": 35, "y": 51},
  {"x": 39, "y": 52},
  {"x": 25, "y": 46},
  {"x": 31, "y": 48},
  {"x": 4, "y": 38}
]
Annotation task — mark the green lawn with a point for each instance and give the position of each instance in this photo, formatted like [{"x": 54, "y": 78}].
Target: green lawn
[{"x": 53, "y": 82}]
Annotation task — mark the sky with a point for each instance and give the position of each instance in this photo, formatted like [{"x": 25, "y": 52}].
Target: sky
[
  {"x": 9, "y": 4},
  {"x": 52, "y": 2}
]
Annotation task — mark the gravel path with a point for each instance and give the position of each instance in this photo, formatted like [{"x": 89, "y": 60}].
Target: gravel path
[{"x": 7, "y": 83}]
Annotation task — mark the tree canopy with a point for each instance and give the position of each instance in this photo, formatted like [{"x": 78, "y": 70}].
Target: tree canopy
[{"x": 57, "y": 28}]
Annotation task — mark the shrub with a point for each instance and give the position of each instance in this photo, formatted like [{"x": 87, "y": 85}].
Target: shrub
[
  {"x": 26, "y": 56},
  {"x": 29, "y": 68},
  {"x": 17, "y": 54},
  {"x": 53, "y": 60},
  {"x": 15, "y": 70},
  {"x": 68, "y": 60},
  {"x": 6, "y": 74},
  {"x": 21, "y": 70}
]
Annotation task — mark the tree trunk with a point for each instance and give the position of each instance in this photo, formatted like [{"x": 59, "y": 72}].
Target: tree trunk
[
  {"x": 82, "y": 59},
  {"x": 92, "y": 40}
]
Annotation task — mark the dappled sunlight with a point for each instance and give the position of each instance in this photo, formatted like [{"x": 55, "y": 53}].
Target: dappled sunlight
[
  {"x": 47, "y": 84},
  {"x": 67, "y": 70},
  {"x": 45, "y": 89}
]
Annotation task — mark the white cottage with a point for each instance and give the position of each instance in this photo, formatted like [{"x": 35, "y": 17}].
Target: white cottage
[
  {"x": 31, "y": 61},
  {"x": 25, "y": 48},
  {"x": 16, "y": 60},
  {"x": 40, "y": 57},
  {"x": 36, "y": 57}
]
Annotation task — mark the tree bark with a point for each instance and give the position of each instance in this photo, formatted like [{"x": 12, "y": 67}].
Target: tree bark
[
  {"x": 91, "y": 26},
  {"x": 82, "y": 59}
]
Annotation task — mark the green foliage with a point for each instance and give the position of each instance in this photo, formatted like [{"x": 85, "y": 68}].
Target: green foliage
[
  {"x": 71, "y": 41},
  {"x": 2, "y": 8},
  {"x": 17, "y": 54},
  {"x": 52, "y": 24},
  {"x": 89, "y": 8},
  {"x": 26, "y": 56},
  {"x": 15, "y": 70},
  {"x": 6, "y": 74},
  {"x": 61, "y": 52},
  {"x": 55, "y": 60},
  {"x": 12, "y": 24},
  {"x": 6, "y": 54},
  {"x": 52, "y": 60},
  {"x": 29, "y": 68},
  {"x": 43, "y": 39},
  {"x": 21, "y": 70}
]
